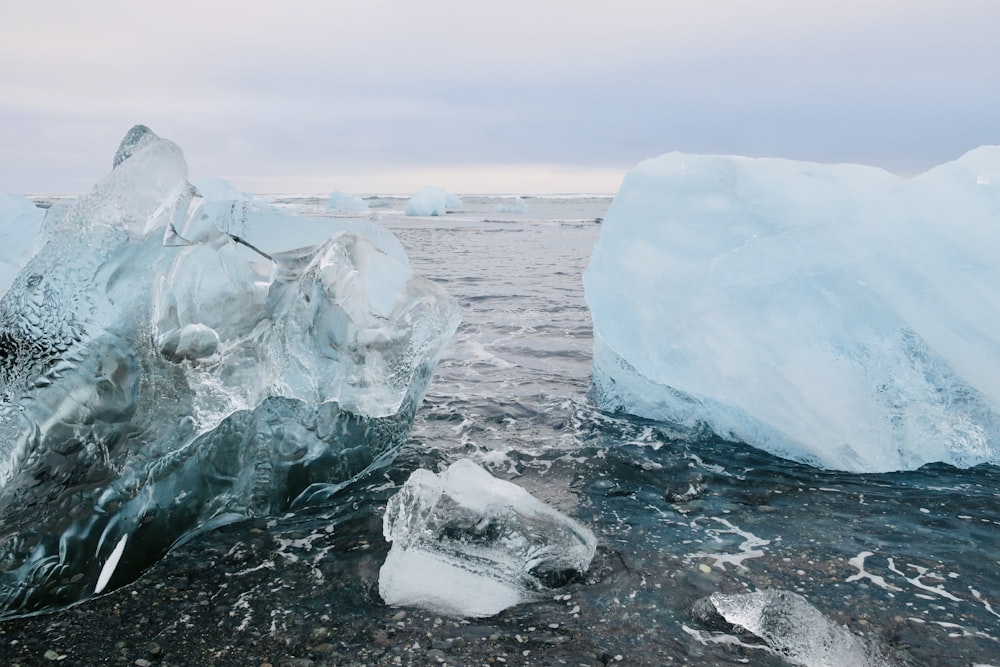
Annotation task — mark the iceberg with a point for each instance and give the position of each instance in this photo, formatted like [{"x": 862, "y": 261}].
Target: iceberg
[
  {"x": 467, "y": 544},
  {"x": 166, "y": 367},
  {"x": 20, "y": 223},
  {"x": 432, "y": 201},
  {"x": 837, "y": 315},
  {"x": 344, "y": 204}
]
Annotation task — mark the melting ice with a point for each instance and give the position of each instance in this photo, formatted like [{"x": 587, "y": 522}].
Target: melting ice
[
  {"x": 166, "y": 367},
  {"x": 468, "y": 544},
  {"x": 795, "y": 629},
  {"x": 832, "y": 314}
]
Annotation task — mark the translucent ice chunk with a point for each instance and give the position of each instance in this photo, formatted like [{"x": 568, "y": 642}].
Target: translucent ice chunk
[
  {"x": 161, "y": 374},
  {"x": 797, "y": 630},
  {"x": 468, "y": 544}
]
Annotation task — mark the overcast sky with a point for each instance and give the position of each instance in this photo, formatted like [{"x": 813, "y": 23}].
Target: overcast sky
[{"x": 482, "y": 96}]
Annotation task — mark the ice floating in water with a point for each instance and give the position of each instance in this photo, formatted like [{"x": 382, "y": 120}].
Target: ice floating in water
[
  {"x": 832, "y": 314},
  {"x": 795, "y": 629},
  {"x": 468, "y": 544},
  {"x": 431, "y": 201},
  {"x": 20, "y": 221},
  {"x": 514, "y": 205},
  {"x": 338, "y": 202},
  {"x": 164, "y": 370}
]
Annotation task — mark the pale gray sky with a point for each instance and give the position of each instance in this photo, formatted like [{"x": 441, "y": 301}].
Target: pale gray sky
[{"x": 512, "y": 96}]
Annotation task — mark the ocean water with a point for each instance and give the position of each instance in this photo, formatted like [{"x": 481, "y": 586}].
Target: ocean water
[{"x": 909, "y": 562}]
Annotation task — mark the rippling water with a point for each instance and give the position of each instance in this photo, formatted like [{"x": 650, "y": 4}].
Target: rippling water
[{"x": 908, "y": 560}]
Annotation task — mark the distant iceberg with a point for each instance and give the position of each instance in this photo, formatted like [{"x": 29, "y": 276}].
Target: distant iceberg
[
  {"x": 432, "y": 201},
  {"x": 833, "y": 314},
  {"x": 338, "y": 202},
  {"x": 20, "y": 222},
  {"x": 512, "y": 205},
  {"x": 169, "y": 364}
]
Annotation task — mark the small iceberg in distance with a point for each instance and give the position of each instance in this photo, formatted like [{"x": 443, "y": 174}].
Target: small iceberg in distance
[
  {"x": 512, "y": 205},
  {"x": 837, "y": 315},
  {"x": 345, "y": 204},
  {"x": 432, "y": 201},
  {"x": 467, "y": 544}
]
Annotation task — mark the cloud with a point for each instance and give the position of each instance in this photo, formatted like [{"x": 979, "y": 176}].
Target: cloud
[{"x": 316, "y": 87}]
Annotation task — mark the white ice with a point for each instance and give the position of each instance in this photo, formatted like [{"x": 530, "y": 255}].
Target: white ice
[
  {"x": 467, "y": 544},
  {"x": 432, "y": 201},
  {"x": 833, "y": 314}
]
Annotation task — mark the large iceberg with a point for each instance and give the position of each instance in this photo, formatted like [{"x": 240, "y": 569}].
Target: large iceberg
[
  {"x": 467, "y": 544},
  {"x": 834, "y": 314},
  {"x": 165, "y": 369}
]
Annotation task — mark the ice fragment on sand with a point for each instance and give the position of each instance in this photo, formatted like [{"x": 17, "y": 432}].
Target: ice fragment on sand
[
  {"x": 468, "y": 544},
  {"x": 791, "y": 626}
]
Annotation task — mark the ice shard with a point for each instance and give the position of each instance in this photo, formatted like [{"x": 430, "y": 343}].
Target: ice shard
[
  {"x": 166, "y": 368},
  {"x": 800, "y": 632},
  {"x": 467, "y": 544}
]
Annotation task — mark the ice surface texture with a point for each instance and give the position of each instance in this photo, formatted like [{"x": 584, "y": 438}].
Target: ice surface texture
[
  {"x": 164, "y": 371},
  {"x": 432, "y": 201},
  {"x": 467, "y": 544},
  {"x": 833, "y": 314}
]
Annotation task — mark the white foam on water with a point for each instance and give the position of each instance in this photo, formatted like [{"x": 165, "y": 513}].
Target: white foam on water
[{"x": 859, "y": 562}]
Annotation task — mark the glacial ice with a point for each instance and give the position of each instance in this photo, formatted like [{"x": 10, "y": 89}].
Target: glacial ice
[
  {"x": 432, "y": 201},
  {"x": 217, "y": 189},
  {"x": 20, "y": 221},
  {"x": 345, "y": 204},
  {"x": 795, "y": 629},
  {"x": 168, "y": 365},
  {"x": 467, "y": 544},
  {"x": 833, "y": 314}
]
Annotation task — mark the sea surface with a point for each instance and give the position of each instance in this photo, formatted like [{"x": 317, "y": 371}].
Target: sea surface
[{"x": 910, "y": 562}]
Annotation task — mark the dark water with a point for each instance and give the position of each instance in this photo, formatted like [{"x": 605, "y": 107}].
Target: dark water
[{"x": 910, "y": 561}]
